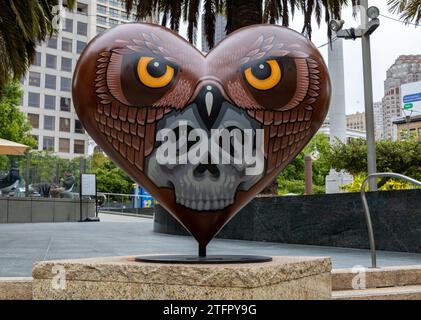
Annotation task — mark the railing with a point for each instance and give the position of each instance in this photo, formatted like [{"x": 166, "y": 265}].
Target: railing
[
  {"x": 367, "y": 210},
  {"x": 125, "y": 203}
]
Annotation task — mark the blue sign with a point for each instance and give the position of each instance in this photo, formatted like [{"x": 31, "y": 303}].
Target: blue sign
[
  {"x": 145, "y": 199},
  {"x": 412, "y": 98}
]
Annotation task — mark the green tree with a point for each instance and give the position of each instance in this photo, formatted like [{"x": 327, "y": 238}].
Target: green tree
[
  {"x": 110, "y": 178},
  {"x": 22, "y": 25},
  {"x": 409, "y": 10},
  {"x": 239, "y": 13},
  {"x": 291, "y": 179},
  {"x": 392, "y": 156},
  {"x": 14, "y": 124}
]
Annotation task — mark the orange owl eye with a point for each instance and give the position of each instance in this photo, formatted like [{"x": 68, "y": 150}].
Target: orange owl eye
[
  {"x": 264, "y": 75},
  {"x": 154, "y": 73}
]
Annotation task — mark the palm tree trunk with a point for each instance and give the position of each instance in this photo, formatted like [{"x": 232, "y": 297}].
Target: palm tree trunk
[{"x": 242, "y": 13}]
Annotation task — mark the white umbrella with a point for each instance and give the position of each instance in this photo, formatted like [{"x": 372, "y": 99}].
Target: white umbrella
[{"x": 11, "y": 148}]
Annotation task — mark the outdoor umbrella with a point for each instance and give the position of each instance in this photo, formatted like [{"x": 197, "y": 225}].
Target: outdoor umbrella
[{"x": 11, "y": 148}]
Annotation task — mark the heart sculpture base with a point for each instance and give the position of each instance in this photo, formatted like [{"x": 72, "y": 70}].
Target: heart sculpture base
[
  {"x": 124, "y": 278},
  {"x": 211, "y": 259}
]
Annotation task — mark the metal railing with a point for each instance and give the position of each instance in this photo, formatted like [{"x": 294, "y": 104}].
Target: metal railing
[
  {"x": 126, "y": 203},
  {"x": 367, "y": 210}
]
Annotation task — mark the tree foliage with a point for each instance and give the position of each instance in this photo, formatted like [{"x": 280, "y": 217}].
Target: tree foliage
[
  {"x": 110, "y": 178},
  {"x": 291, "y": 179},
  {"x": 409, "y": 10},
  {"x": 14, "y": 125},
  {"x": 22, "y": 25},
  {"x": 239, "y": 13},
  {"x": 392, "y": 156}
]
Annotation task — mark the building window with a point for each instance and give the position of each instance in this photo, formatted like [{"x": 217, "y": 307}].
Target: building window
[
  {"x": 82, "y": 28},
  {"x": 64, "y": 145},
  {"x": 52, "y": 42},
  {"x": 66, "y": 44},
  {"x": 68, "y": 25},
  {"x": 37, "y": 59},
  {"x": 48, "y": 143},
  {"x": 65, "y": 84},
  {"x": 101, "y": 20},
  {"x": 79, "y": 146},
  {"x": 65, "y": 124},
  {"x": 114, "y": 3},
  {"x": 101, "y": 9},
  {"x": 124, "y": 15},
  {"x": 80, "y": 45},
  {"x": 114, "y": 13},
  {"x": 65, "y": 104},
  {"x": 49, "y": 102},
  {"x": 49, "y": 123},
  {"x": 100, "y": 29},
  {"x": 112, "y": 22},
  {"x": 33, "y": 99},
  {"x": 50, "y": 61},
  {"x": 34, "y": 79},
  {"x": 66, "y": 64},
  {"x": 50, "y": 81},
  {"x": 33, "y": 120},
  {"x": 79, "y": 127}
]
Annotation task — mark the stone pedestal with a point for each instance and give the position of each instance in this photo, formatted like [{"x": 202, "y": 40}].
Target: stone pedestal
[{"x": 123, "y": 278}]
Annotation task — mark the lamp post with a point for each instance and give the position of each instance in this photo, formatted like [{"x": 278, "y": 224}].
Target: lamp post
[
  {"x": 364, "y": 31},
  {"x": 408, "y": 114},
  {"x": 308, "y": 169}
]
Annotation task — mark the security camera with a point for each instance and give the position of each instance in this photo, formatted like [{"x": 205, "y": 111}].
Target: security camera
[
  {"x": 336, "y": 25},
  {"x": 373, "y": 12}
]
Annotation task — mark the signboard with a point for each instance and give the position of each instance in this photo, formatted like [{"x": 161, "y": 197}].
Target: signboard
[
  {"x": 411, "y": 97},
  {"x": 88, "y": 184}
]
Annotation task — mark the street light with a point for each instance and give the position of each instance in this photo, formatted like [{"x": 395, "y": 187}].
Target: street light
[
  {"x": 364, "y": 31},
  {"x": 408, "y": 114}
]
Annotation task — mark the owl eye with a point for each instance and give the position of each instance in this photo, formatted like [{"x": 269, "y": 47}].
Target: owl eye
[
  {"x": 154, "y": 73},
  {"x": 264, "y": 75}
]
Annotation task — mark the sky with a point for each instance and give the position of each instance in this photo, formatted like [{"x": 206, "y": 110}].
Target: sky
[{"x": 389, "y": 41}]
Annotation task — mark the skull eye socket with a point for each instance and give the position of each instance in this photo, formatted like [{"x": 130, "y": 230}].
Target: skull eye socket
[
  {"x": 154, "y": 73},
  {"x": 264, "y": 75}
]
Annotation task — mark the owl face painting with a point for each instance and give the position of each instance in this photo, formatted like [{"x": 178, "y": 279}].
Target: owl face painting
[{"x": 160, "y": 109}]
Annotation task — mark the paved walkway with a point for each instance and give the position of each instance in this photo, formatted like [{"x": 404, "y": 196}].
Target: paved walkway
[{"x": 23, "y": 244}]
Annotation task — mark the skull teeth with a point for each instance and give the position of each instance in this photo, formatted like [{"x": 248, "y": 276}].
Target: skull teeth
[{"x": 205, "y": 205}]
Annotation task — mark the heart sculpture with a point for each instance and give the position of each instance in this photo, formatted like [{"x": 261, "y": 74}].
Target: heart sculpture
[{"x": 144, "y": 93}]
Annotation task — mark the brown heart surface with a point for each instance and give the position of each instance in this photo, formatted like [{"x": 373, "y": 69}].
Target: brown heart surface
[{"x": 266, "y": 86}]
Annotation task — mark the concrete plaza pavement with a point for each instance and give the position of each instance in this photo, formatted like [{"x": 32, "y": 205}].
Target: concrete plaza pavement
[{"x": 23, "y": 244}]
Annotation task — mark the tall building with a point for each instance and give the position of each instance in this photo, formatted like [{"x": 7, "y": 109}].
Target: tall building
[
  {"x": 47, "y": 99},
  {"x": 356, "y": 121},
  {"x": 406, "y": 69},
  {"x": 47, "y": 87},
  {"x": 220, "y": 25},
  {"x": 378, "y": 120}
]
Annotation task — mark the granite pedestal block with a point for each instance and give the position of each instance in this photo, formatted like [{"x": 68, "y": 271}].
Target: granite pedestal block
[{"x": 124, "y": 278}]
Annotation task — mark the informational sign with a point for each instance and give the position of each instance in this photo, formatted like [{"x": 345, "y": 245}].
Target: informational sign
[
  {"x": 88, "y": 184},
  {"x": 411, "y": 97}
]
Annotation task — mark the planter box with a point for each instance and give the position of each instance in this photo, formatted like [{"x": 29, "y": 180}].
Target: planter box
[
  {"x": 27, "y": 210},
  {"x": 335, "y": 220}
]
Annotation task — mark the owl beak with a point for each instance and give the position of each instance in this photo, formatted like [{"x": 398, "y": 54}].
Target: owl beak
[{"x": 209, "y": 102}]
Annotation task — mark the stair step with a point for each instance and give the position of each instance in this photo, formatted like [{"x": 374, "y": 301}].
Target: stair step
[
  {"x": 391, "y": 293},
  {"x": 349, "y": 279}
]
